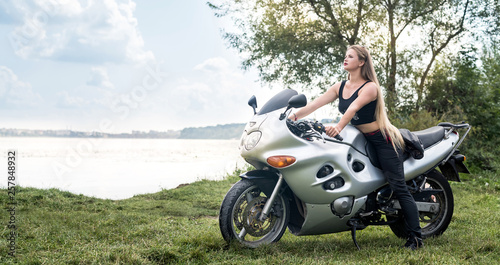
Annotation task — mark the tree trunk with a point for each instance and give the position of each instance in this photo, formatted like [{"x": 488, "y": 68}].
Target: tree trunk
[{"x": 391, "y": 97}]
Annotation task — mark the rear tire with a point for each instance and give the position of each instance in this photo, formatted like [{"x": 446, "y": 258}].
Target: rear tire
[
  {"x": 432, "y": 224},
  {"x": 239, "y": 213}
]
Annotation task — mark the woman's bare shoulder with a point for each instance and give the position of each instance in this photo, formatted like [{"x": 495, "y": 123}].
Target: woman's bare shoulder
[
  {"x": 370, "y": 89},
  {"x": 335, "y": 87}
]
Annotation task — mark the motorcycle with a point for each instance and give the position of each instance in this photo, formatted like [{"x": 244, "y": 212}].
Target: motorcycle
[{"x": 314, "y": 184}]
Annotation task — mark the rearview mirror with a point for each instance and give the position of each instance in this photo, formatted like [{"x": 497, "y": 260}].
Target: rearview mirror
[
  {"x": 297, "y": 101},
  {"x": 252, "y": 102}
]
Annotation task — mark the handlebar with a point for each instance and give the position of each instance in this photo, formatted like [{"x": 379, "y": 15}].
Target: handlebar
[
  {"x": 319, "y": 127},
  {"x": 304, "y": 128}
]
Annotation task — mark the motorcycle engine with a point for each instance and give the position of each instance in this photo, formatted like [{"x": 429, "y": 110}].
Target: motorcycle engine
[{"x": 342, "y": 206}]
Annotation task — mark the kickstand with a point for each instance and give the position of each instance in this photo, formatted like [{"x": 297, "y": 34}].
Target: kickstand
[{"x": 353, "y": 234}]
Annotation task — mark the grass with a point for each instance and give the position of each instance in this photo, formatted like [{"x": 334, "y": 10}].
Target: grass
[{"x": 180, "y": 226}]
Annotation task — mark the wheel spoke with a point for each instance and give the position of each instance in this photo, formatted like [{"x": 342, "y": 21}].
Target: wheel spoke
[
  {"x": 242, "y": 234},
  {"x": 249, "y": 196}
]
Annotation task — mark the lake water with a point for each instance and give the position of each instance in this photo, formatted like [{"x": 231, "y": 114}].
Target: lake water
[{"x": 117, "y": 168}]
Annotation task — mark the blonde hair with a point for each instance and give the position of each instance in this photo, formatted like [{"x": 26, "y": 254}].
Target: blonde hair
[{"x": 368, "y": 73}]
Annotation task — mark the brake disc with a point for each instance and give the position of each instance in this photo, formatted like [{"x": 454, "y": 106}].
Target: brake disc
[
  {"x": 252, "y": 213},
  {"x": 238, "y": 214}
]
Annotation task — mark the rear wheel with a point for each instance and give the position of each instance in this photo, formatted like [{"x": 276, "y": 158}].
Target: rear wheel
[
  {"x": 240, "y": 212},
  {"x": 432, "y": 224}
]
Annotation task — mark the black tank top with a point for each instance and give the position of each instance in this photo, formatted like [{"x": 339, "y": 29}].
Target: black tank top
[{"x": 365, "y": 115}]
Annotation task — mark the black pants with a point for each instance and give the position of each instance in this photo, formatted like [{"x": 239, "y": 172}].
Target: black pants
[{"x": 391, "y": 163}]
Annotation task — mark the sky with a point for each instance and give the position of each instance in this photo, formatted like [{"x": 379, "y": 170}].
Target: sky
[{"x": 120, "y": 65}]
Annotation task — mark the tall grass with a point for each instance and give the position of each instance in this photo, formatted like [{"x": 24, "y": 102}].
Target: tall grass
[{"x": 180, "y": 226}]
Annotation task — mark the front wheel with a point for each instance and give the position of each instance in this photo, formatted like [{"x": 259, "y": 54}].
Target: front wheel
[
  {"x": 240, "y": 212},
  {"x": 433, "y": 224}
]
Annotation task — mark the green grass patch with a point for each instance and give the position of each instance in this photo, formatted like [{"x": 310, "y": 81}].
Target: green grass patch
[{"x": 180, "y": 226}]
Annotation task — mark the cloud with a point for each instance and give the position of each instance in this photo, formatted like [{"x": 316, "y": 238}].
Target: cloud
[
  {"x": 216, "y": 82},
  {"x": 77, "y": 31},
  {"x": 99, "y": 78},
  {"x": 8, "y": 14},
  {"x": 215, "y": 92},
  {"x": 15, "y": 93},
  {"x": 71, "y": 101},
  {"x": 96, "y": 93},
  {"x": 217, "y": 64}
]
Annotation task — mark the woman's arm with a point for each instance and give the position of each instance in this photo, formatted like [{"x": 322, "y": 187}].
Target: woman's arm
[
  {"x": 330, "y": 95},
  {"x": 365, "y": 96}
]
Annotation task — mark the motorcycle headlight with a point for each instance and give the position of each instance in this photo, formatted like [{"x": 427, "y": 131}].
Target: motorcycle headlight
[{"x": 252, "y": 140}]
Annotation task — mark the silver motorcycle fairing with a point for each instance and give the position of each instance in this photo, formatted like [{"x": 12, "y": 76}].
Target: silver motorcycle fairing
[
  {"x": 276, "y": 139},
  {"x": 320, "y": 219}
]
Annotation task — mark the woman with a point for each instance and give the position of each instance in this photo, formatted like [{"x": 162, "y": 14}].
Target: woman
[{"x": 362, "y": 103}]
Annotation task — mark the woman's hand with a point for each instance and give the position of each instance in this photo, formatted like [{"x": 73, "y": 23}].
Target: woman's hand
[{"x": 332, "y": 131}]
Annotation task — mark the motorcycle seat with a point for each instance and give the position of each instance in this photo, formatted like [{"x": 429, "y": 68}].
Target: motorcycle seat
[{"x": 430, "y": 136}]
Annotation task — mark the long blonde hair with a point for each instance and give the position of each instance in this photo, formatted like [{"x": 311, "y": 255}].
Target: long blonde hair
[{"x": 368, "y": 73}]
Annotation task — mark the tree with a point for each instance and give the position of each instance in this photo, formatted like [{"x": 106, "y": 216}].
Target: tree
[
  {"x": 295, "y": 42},
  {"x": 304, "y": 41},
  {"x": 401, "y": 16},
  {"x": 461, "y": 90},
  {"x": 442, "y": 31}
]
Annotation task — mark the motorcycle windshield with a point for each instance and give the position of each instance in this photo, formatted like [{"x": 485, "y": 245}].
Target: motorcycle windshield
[{"x": 279, "y": 101}]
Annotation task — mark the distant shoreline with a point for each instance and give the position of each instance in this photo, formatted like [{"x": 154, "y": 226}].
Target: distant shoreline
[
  {"x": 227, "y": 131},
  {"x": 79, "y": 134}
]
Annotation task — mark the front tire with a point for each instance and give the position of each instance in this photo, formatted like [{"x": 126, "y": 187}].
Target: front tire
[
  {"x": 433, "y": 224},
  {"x": 240, "y": 211}
]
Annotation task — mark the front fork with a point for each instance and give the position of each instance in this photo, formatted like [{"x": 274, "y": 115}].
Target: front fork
[{"x": 272, "y": 198}]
